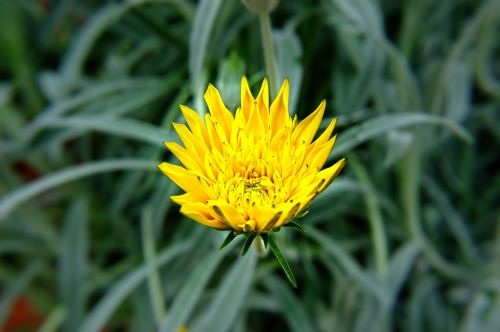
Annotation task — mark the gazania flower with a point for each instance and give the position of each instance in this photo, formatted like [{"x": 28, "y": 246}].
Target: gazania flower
[{"x": 253, "y": 171}]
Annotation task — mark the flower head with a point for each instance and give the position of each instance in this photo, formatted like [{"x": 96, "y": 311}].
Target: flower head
[{"x": 253, "y": 171}]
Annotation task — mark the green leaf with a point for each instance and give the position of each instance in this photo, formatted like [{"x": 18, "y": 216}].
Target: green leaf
[
  {"x": 384, "y": 123},
  {"x": 294, "y": 225},
  {"x": 455, "y": 221},
  {"x": 204, "y": 21},
  {"x": 14, "y": 198},
  {"x": 228, "y": 79},
  {"x": 73, "y": 62},
  {"x": 282, "y": 261},
  {"x": 288, "y": 52},
  {"x": 248, "y": 243},
  {"x": 350, "y": 265},
  {"x": 293, "y": 309},
  {"x": 149, "y": 251},
  {"x": 73, "y": 265},
  {"x": 190, "y": 293},
  {"x": 265, "y": 239},
  {"x": 118, "y": 292},
  {"x": 302, "y": 214},
  {"x": 229, "y": 298},
  {"x": 54, "y": 320},
  {"x": 231, "y": 235},
  {"x": 400, "y": 266},
  {"x": 113, "y": 125}
]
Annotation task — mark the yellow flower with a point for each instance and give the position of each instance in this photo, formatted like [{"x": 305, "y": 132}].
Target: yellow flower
[{"x": 252, "y": 172}]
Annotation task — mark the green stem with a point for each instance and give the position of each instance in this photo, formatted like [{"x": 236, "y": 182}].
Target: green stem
[
  {"x": 375, "y": 217},
  {"x": 410, "y": 178},
  {"x": 268, "y": 47},
  {"x": 149, "y": 251}
]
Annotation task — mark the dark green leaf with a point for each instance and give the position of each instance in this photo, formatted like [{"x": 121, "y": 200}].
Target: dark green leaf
[
  {"x": 282, "y": 261},
  {"x": 295, "y": 225},
  {"x": 229, "y": 238},
  {"x": 248, "y": 243},
  {"x": 302, "y": 214},
  {"x": 265, "y": 238}
]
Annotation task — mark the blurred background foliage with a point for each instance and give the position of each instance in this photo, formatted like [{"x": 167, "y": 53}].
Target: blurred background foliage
[{"x": 406, "y": 239}]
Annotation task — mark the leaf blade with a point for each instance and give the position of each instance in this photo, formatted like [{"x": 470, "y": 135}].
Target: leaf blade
[{"x": 282, "y": 261}]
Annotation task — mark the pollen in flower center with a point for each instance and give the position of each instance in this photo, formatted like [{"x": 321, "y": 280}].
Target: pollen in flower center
[{"x": 254, "y": 191}]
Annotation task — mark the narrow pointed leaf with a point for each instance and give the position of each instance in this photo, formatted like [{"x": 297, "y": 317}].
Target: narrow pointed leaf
[
  {"x": 247, "y": 244},
  {"x": 295, "y": 225},
  {"x": 265, "y": 238},
  {"x": 282, "y": 261},
  {"x": 302, "y": 214},
  {"x": 230, "y": 298},
  {"x": 229, "y": 238}
]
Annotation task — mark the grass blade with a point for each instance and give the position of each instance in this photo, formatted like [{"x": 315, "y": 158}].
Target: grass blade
[
  {"x": 103, "y": 310},
  {"x": 384, "y": 123},
  {"x": 112, "y": 125},
  {"x": 149, "y": 251},
  {"x": 229, "y": 297},
  {"x": 400, "y": 267},
  {"x": 72, "y": 264},
  {"x": 203, "y": 24},
  {"x": 349, "y": 264},
  {"x": 190, "y": 293},
  {"x": 292, "y": 308},
  {"x": 13, "y": 199}
]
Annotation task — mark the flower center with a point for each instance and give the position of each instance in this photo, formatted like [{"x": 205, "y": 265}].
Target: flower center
[
  {"x": 250, "y": 192},
  {"x": 256, "y": 190}
]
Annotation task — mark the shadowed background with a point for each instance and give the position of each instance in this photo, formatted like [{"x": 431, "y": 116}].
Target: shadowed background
[{"x": 406, "y": 239}]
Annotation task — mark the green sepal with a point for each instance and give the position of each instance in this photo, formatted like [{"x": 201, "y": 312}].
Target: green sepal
[
  {"x": 295, "y": 225},
  {"x": 229, "y": 238},
  {"x": 248, "y": 243},
  {"x": 265, "y": 238},
  {"x": 302, "y": 214},
  {"x": 282, "y": 261}
]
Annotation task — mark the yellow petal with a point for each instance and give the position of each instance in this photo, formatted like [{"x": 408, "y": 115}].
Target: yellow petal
[
  {"x": 229, "y": 215},
  {"x": 291, "y": 209},
  {"x": 218, "y": 110},
  {"x": 267, "y": 218},
  {"x": 246, "y": 98},
  {"x": 262, "y": 103},
  {"x": 198, "y": 213},
  {"x": 190, "y": 160},
  {"x": 329, "y": 174},
  {"x": 255, "y": 124},
  {"x": 213, "y": 133},
  {"x": 195, "y": 123},
  {"x": 186, "y": 198},
  {"x": 279, "y": 116},
  {"x": 185, "y": 179},
  {"x": 325, "y": 136},
  {"x": 319, "y": 157},
  {"x": 189, "y": 140},
  {"x": 306, "y": 129}
]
